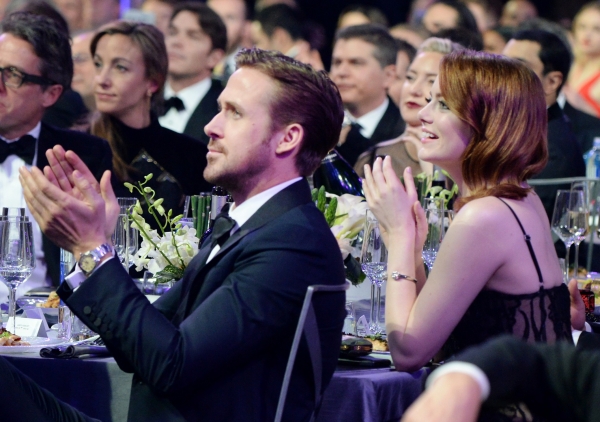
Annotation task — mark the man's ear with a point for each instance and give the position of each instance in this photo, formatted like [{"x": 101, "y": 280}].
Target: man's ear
[
  {"x": 551, "y": 81},
  {"x": 214, "y": 57},
  {"x": 290, "y": 139},
  {"x": 389, "y": 75},
  {"x": 51, "y": 95}
]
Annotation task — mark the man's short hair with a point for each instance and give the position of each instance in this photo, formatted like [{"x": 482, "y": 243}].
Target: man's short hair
[
  {"x": 465, "y": 18},
  {"x": 49, "y": 41},
  {"x": 406, "y": 47},
  {"x": 468, "y": 39},
  {"x": 280, "y": 16},
  {"x": 554, "y": 54},
  {"x": 377, "y": 35},
  {"x": 303, "y": 96},
  {"x": 373, "y": 14},
  {"x": 211, "y": 23}
]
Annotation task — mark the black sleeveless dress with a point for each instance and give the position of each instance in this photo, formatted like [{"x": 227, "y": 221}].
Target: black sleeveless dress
[{"x": 542, "y": 316}]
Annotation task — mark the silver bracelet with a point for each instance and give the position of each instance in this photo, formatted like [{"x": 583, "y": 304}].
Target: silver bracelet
[{"x": 397, "y": 276}]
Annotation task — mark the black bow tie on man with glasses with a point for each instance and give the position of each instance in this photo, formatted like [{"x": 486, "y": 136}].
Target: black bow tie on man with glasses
[{"x": 24, "y": 148}]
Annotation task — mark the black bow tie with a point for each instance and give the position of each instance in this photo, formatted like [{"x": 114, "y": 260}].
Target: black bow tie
[
  {"x": 222, "y": 227},
  {"x": 24, "y": 148},
  {"x": 173, "y": 102}
]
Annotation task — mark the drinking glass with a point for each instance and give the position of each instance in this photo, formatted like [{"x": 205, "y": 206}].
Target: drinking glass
[
  {"x": 67, "y": 261},
  {"x": 13, "y": 212},
  {"x": 437, "y": 222},
  {"x": 350, "y": 320},
  {"x": 125, "y": 236},
  {"x": 17, "y": 257},
  {"x": 374, "y": 264},
  {"x": 560, "y": 223},
  {"x": 579, "y": 217}
]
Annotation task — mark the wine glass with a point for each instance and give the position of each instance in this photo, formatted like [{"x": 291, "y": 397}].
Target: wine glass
[
  {"x": 437, "y": 221},
  {"x": 17, "y": 257},
  {"x": 579, "y": 217},
  {"x": 560, "y": 223},
  {"x": 374, "y": 264}
]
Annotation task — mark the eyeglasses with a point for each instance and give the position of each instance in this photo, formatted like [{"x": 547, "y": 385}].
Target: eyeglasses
[{"x": 14, "y": 78}]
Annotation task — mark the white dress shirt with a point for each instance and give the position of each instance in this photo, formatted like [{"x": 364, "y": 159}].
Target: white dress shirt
[
  {"x": 241, "y": 214},
  {"x": 191, "y": 97},
  {"x": 11, "y": 195},
  {"x": 368, "y": 122}
]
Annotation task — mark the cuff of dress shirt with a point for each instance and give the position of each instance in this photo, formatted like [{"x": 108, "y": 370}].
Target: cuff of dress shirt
[
  {"x": 464, "y": 368},
  {"x": 77, "y": 277}
]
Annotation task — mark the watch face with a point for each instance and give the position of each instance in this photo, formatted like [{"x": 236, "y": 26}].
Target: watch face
[{"x": 87, "y": 263}]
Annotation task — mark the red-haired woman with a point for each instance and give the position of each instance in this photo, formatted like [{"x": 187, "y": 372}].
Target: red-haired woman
[{"x": 496, "y": 271}]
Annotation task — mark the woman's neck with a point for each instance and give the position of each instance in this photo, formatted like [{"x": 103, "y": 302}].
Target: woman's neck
[{"x": 135, "y": 120}]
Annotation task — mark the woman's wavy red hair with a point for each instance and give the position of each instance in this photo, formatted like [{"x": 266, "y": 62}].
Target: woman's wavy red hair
[{"x": 503, "y": 102}]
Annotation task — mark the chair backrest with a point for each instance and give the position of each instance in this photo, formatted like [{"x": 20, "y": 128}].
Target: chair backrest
[{"x": 307, "y": 327}]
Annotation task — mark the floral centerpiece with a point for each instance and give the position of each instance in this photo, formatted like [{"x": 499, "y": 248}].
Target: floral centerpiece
[
  {"x": 345, "y": 216},
  {"x": 425, "y": 188},
  {"x": 165, "y": 252}
]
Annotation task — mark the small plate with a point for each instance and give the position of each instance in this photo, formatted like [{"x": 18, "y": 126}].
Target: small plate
[{"x": 36, "y": 343}]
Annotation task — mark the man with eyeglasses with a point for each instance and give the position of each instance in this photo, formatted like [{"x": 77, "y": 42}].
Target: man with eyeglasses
[
  {"x": 36, "y": 68},
  {"x": 84, "y": 70}
]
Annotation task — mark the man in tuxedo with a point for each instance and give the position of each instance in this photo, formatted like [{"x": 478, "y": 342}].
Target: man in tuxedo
[
  {"x": 557, "y": 383},
  {"x": 196, "y": 42},
  {"x": 215, "y": 346},
  {"x": 234, "y": 14},
  {"x": 363, "y": 67},
  {"x": 550, "y": 59},
  {"x": 35, "y": 57}
]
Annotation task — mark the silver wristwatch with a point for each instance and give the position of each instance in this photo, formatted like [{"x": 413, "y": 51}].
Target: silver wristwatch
[{"x": 88, "y": 261}]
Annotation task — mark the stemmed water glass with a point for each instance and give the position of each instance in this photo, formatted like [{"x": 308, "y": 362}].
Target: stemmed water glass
[
  {"x": 374, "y": 264},
  {"x": 561, "y": 224},
  {"x": 438, "y": 220},
  {"x": 125, "y": 236},
  {"x": 579, "y": 217},
  {"x": 17, "y": 257}
]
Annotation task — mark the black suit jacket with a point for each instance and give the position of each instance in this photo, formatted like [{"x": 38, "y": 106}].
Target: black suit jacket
[
  {"x": 206, "y": 110},
  {"x": 565, "y": 157},
  {"x": 585, "y": 126},
  {"x": 95, "y": 153},
  {"x": 559, "y": 382},
  {"x": 215, "y": 346},
  {"x": 390, "y": 126}
]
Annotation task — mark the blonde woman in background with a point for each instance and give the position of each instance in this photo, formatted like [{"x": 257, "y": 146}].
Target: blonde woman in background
[{"x": 419, "y": 78}]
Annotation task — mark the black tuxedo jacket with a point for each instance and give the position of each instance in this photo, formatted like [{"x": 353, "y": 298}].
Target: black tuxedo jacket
[
  {"x": 565, "y": 157},
  {"x": 95, "y": 153},
  {"x": 215, "y": 346},
  {"x": 559, "y": 382},
  {"x": 206, "y": 110},
  {"x": 390, "y": 126},
  {"x": 585, "y": 126}
]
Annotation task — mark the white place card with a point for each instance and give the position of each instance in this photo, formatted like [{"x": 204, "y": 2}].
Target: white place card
[
  {"x": 27, "y": 327},
  {"x": 38, "y": 313}
]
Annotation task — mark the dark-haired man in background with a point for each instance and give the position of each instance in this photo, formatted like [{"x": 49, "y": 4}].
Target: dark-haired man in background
[
  {"x": 546, "y": 55},
  {"x": 35, "y": 57},
  {"x": 196, "y": 43},
  {"x": 363, "y": 67},
  {"x": 234, "y": 14}
]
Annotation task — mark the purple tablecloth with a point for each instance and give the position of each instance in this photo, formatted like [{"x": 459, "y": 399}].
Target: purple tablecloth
[
  {"x": 374, "y": 395},
  {"x": 100, "y": 389}
]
